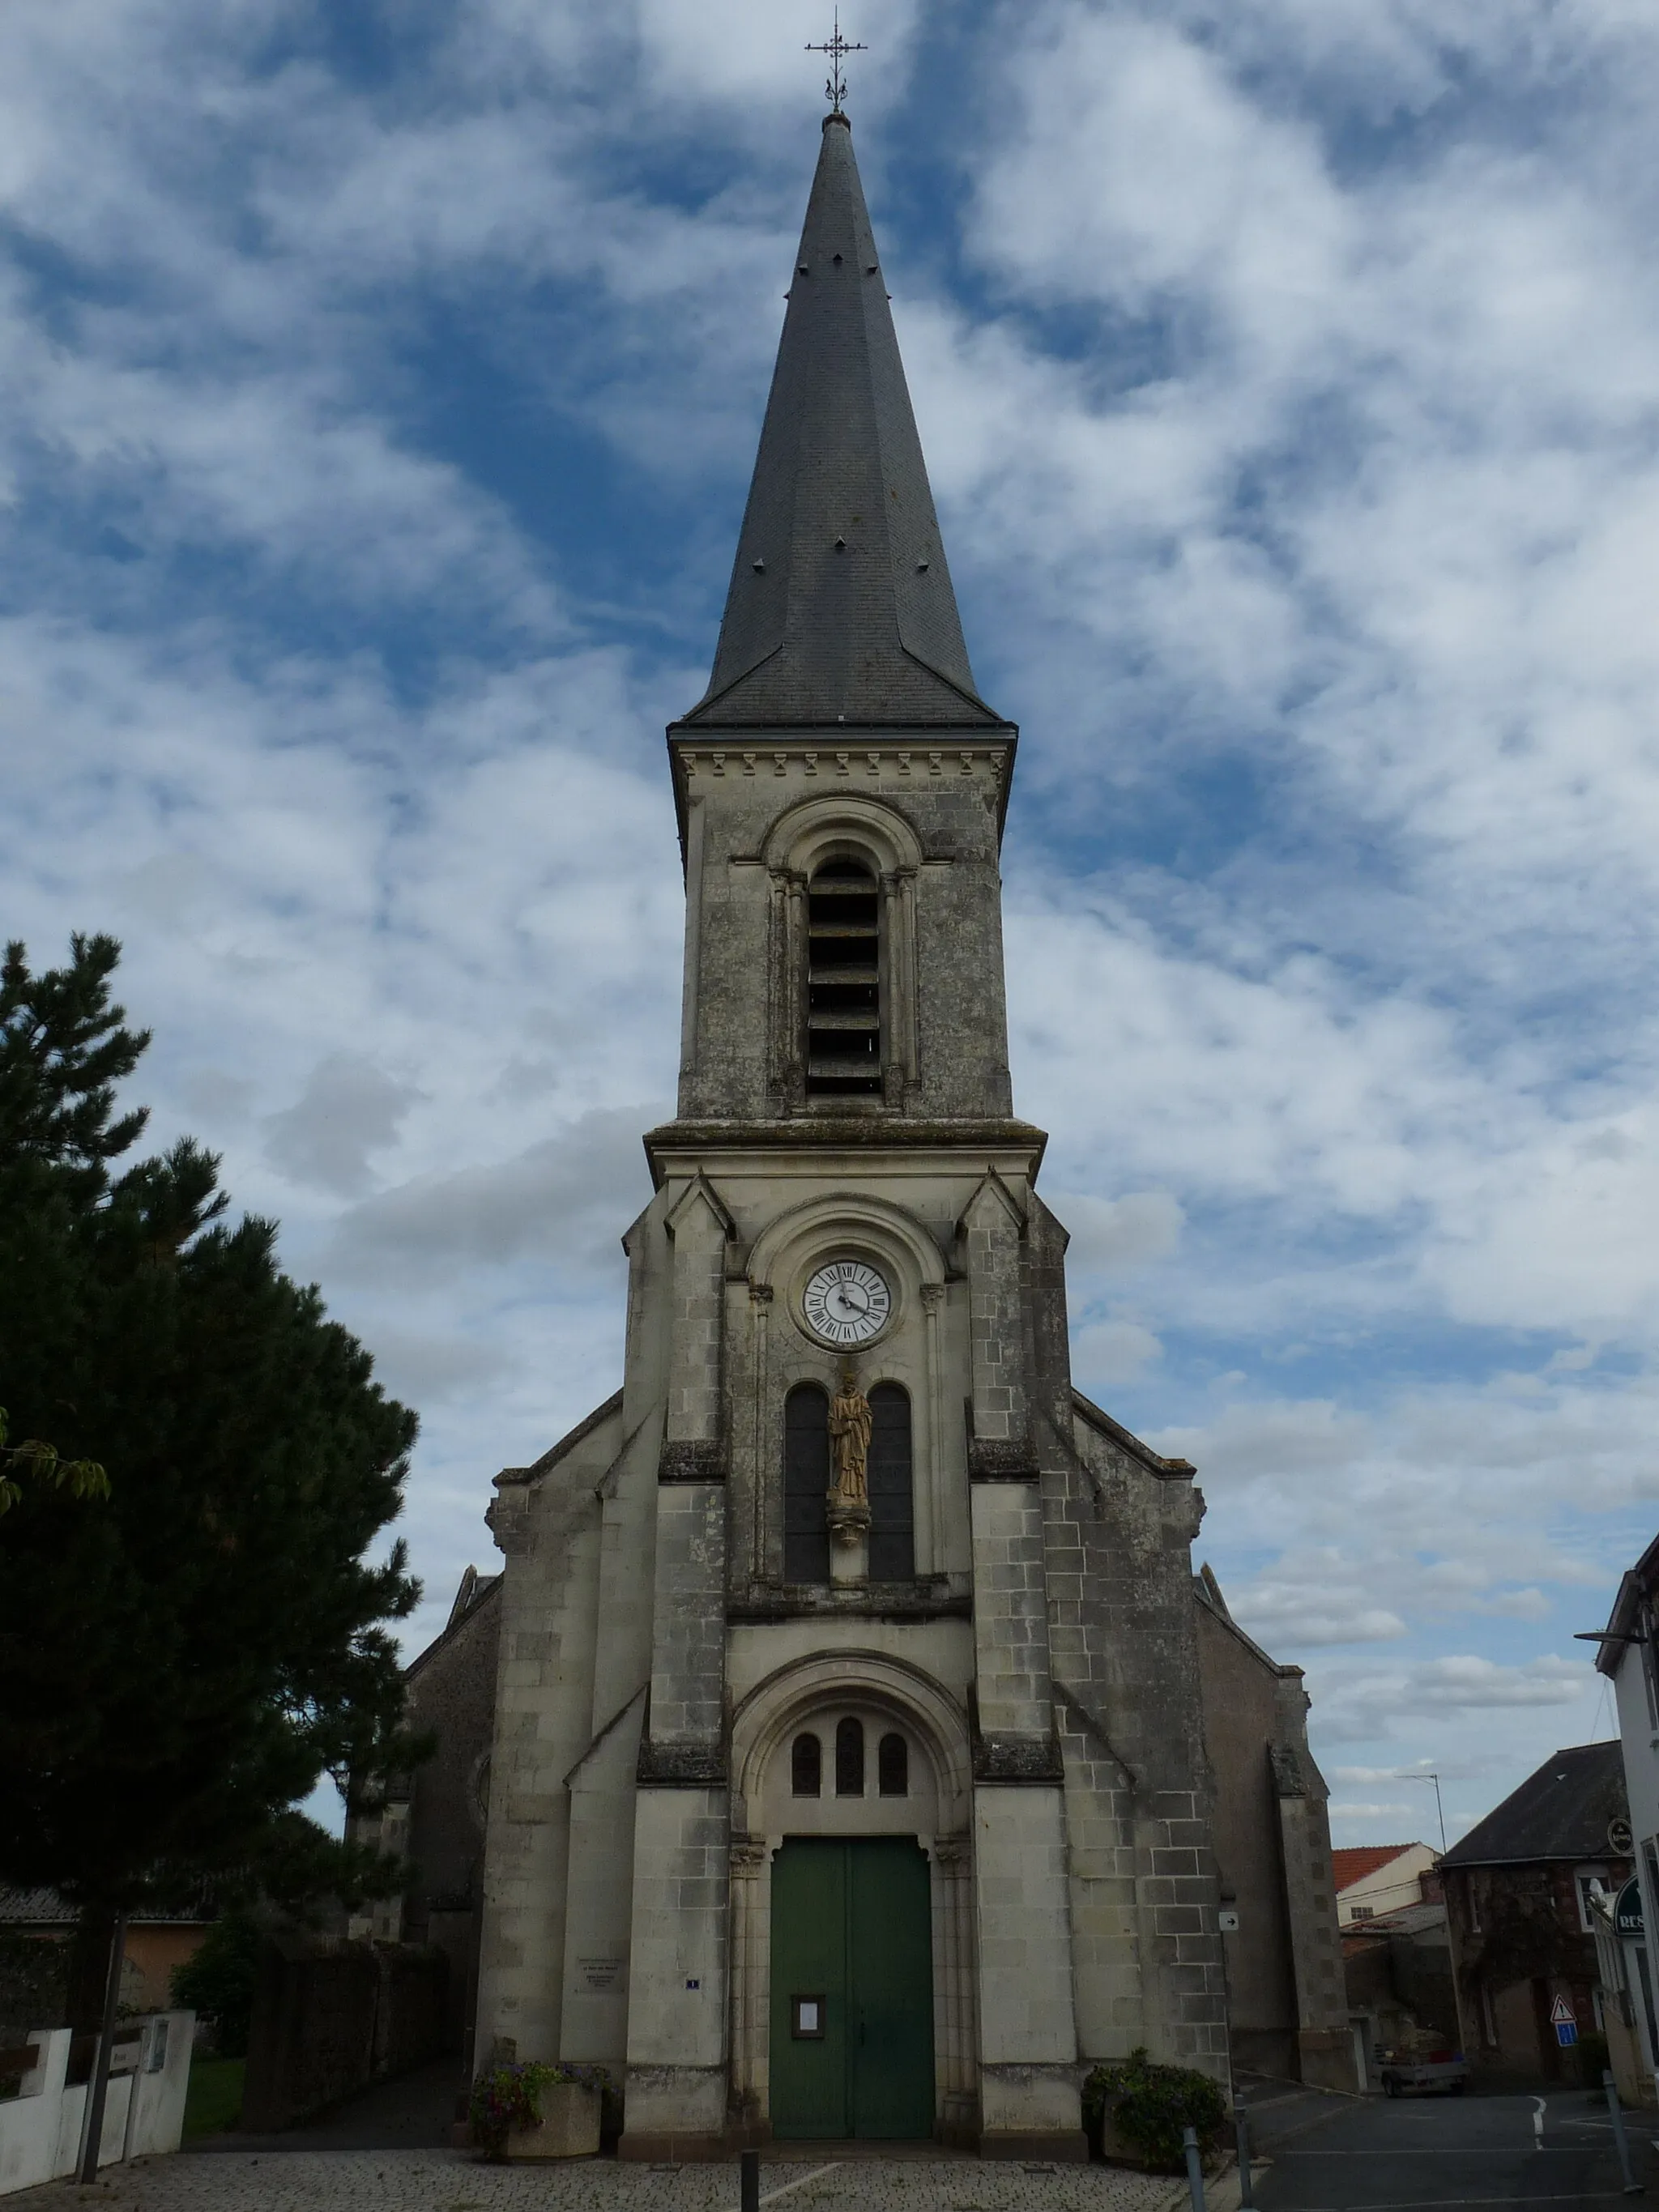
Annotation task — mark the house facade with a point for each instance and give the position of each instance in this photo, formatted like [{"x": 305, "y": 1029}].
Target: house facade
[
  {"x": 1373, "y": 1879},
  {"x": 1520, "y": 1889},
  {"x": 1628, "y": 1655}
]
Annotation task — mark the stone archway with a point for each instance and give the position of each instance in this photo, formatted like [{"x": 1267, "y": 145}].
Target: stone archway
[{"x": 884, "y": 1695}]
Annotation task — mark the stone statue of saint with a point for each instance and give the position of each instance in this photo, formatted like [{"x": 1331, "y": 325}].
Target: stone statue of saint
[{"x": 849, "y": 1443}]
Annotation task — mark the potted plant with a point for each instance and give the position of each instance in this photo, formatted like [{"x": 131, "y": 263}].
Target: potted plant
[
  {"x": 534, "y": 2111},
  {"x": 1135, "y": 2112}
]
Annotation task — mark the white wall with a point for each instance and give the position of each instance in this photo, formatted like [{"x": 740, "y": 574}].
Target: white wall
[
  {"x": 1397, "y": 1882},
  {"x": 41, "y": 2130}
]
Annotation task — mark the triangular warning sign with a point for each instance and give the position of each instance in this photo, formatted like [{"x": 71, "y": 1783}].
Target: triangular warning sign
[{"x": 1561, "y": 2014}]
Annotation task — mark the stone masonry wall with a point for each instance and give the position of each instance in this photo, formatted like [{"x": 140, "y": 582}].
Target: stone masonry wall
[{"x": 1119, "y": 1526}]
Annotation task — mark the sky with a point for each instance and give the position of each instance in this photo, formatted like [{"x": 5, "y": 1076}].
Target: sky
[{"x": 383, "y": 379}]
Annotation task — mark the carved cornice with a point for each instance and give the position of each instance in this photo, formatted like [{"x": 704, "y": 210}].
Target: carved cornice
[
  {"x": 1020, "y": 1760},
  {"x": 703, "y": 1460},
  {"x": 681, "y": 1765},
  {"x": 990, "y": 1460}
]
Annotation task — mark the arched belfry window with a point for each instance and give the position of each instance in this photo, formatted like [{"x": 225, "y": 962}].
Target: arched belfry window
[
  {"x": 849, "y": 1758},
  {"x": 806, "y": 1484},
  {"x": 892, "y": 1538},
  {"x": 844, "y": 983}
]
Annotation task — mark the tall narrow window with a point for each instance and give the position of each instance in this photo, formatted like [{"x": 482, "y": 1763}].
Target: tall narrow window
[
  {"x": 893, "y": 1767},
  {"x": 805, "y": 1485},
  {"x": 849, "y": 1758},
  {"x": 844, "y": 983},
  {"x": 892, "y": 1539},
  {"x": 805, "y": 1766}
]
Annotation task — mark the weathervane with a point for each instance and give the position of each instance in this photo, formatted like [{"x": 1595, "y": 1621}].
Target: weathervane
[{"x": 837, "y": 48}]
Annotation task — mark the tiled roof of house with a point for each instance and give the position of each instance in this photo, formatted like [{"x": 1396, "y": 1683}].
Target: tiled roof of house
[
  {"x": 44, "y": 1908},
  {"x": 1350, "y": 1867},
  {"x": 1561, "y": 1812},
  {"x": 34, "y": 1908}
]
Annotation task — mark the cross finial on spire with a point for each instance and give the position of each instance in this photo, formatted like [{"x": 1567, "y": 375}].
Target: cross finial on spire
[{"x": 837, "y": 48}]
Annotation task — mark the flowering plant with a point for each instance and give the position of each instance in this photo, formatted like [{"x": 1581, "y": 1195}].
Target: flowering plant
[{"x": 509, "y": 2097}]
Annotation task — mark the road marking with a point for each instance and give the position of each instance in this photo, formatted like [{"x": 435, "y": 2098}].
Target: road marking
[
  {"x": 1458, "y": 2150},
  {"x": 1538, "y": 2124},
  {"x": 1443, "y": 2203},
  {"x": 800, "y": 2181}
]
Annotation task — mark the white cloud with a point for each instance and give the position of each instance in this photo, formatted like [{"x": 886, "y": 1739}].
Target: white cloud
[
  {"x": 1112, "y": 1352},
  {"x": 1112, "y": 1236},
  {"x": 349, "y": 1109},
  {"x": 1293, "y": 428}
]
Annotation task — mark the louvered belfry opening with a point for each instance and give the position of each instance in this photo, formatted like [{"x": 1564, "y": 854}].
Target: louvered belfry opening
[{"x": 844, "y": 983}]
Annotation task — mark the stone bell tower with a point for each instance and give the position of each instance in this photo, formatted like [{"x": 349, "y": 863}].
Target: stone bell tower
[{"x": 848, "y": 1775}]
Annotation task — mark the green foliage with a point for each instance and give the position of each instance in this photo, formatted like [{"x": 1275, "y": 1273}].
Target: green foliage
[
  {"x": 33, "y": 1982},
  {"x": 182, "y": 1662},
  {"x": 509, "y": 2097},
  {"x": 1152, "y": 2104},
  {"x": 1593, "y": 2060},
  {"x": 218, "y": 1980},
  {"x": 82, "y": 1478},
  {"x": 213, "y": 2099}
]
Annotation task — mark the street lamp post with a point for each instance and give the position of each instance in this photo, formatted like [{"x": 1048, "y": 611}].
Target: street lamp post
[{"x": 1439, "y": 1808}]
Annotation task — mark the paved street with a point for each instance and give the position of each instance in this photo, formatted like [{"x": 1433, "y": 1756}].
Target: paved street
[
  {"x": 1339, "y": 2154},
  {"x": 451, "y": 2181}
]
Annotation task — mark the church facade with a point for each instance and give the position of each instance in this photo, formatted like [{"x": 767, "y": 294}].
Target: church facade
[{"x": 849, "y": 1774}]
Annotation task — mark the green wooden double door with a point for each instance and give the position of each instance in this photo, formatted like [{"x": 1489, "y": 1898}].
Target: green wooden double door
[{"x": 852, "y": 1989}]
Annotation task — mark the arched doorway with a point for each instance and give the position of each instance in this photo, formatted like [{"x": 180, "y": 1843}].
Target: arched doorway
[{"x": 851, "y": 1883}]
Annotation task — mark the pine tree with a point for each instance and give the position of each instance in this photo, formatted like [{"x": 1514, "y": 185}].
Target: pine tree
[{"x": 183, "y": 1657}]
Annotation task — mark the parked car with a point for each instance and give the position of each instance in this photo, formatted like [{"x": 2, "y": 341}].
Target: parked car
[{"x": 1402, "y": 2070}]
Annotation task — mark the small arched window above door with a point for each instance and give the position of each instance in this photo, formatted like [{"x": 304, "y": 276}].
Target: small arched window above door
[
  {"x": 893, "y": 1767},
  {"x": 843, "y": 981},
  {"x": 805, "y": 1766},
  {"x": 849, "y": 1758}
]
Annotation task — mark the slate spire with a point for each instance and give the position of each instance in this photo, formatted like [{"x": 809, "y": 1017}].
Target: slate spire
[{"x": 841, "y": 606}]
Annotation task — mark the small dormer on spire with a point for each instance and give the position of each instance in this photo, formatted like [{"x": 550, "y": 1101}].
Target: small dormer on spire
[{"x": 840, "y": 607}]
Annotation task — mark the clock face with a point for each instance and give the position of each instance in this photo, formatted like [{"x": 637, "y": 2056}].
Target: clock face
[{"x": 846, "y": 1302}]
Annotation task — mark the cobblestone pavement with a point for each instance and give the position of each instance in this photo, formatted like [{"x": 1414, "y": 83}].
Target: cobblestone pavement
[{"x": 454, "y": 2181}]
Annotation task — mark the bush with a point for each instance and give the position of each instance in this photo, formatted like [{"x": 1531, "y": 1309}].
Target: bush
[
  {"x": 218, "y": 1979},
  {"x": 1592, "y": 2061},
  {"x": 1152, "y": 2104},
  {"x": 510, "y": 2097}
]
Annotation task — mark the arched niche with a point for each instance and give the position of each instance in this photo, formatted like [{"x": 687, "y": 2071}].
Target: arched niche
[
  {"x": 816, "y": 1694},
  {"x": 842, "y": 826}
]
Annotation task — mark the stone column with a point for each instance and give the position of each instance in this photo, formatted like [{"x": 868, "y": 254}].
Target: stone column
[{"x": 751, "y": 2009}]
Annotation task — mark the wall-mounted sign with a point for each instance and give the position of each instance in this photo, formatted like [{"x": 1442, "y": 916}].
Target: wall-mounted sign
[
  {"x": 597, "y": 1977},
  {"x": 806, "y": 2019},
  {"x": 1627, "y": 1910},
  {"x": 1620, "y": 1838}
]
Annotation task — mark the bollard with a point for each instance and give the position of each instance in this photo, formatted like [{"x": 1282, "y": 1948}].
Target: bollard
[
  {"x": 1632, "y": 2187},
  {"x": 1242, "y": 2138},
  {"x": 1194, "y": 2168},
  {"x": 748, "y": 2189}
]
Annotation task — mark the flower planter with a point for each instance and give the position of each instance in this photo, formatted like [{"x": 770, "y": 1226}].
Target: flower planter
[{"x": 569, "y": 2126}]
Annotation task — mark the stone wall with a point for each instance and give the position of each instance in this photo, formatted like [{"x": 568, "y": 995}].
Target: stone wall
[{"x": 332, "y": 2016}]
